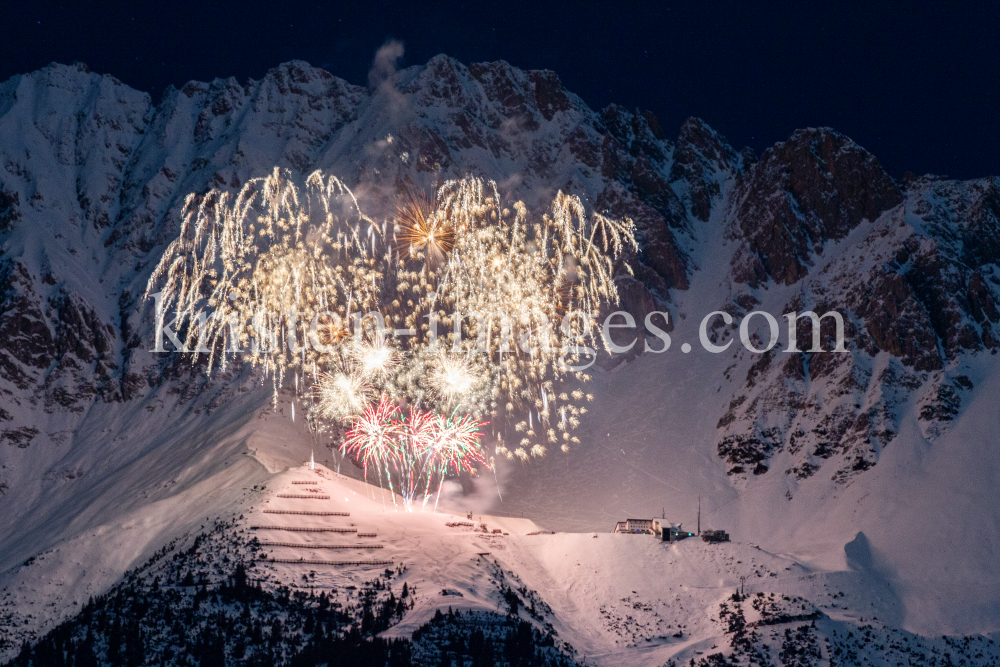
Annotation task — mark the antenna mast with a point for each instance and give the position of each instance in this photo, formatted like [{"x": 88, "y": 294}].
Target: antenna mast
[{"x": 699, "y": 514}]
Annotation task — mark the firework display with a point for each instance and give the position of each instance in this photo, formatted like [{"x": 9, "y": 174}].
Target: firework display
[
  {"x": 407, "y": 453},
  {"x": 407, "y": 332},
  {"x": 272, "y": 268}
]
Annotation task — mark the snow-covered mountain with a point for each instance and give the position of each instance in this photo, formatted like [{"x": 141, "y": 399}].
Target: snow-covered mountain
[
  {"x": 107, "y": 451},
  {"x": 318, "y": 564}
]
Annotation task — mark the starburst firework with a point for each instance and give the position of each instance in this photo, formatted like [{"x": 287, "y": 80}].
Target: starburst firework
[
  {"x": 376, "y": 360},
  {"x": 419, "y": 229},
  {"x": 454, "y": 379},
  {"x": 341, "y": 395}
]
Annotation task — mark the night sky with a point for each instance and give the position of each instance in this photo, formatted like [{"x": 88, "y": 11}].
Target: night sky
[{"x": 916, "y": 85}]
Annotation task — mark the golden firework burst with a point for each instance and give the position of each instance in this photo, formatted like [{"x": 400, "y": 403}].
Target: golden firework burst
[
  {"x": 421, "y": 229},
  {"x": 330, "y": 330}
]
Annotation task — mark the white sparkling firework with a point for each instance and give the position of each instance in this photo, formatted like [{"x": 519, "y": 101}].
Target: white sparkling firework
[
  {"x": 341, "y": 396},
  {"x": 277, "y": 269},
  {"x": 485, "y": 287},
  {"x": 377, "y": 360},
  {"x": 454, "y": 379}
]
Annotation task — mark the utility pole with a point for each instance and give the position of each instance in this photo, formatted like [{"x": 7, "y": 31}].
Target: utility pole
[{"x": 699, "y": 515}]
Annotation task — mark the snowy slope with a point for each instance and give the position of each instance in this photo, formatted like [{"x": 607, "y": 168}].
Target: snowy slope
[{"x": 605, "y": 598}]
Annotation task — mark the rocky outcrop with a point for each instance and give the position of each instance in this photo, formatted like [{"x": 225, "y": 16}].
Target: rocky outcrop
[
  {"x": 702, "y": 163},
  {"x": 918, "y": 294},
  {"x": 57, "y": 352},
  {"x": 814, "y": 188}
]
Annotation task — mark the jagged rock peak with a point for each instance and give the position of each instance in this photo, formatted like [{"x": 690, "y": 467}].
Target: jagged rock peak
[
  {"x": 696, "y": 137},
  {"x": 637, "y": 131},
  {"x": 815, "y": 187},
  {"x": 705, "y": 160}
]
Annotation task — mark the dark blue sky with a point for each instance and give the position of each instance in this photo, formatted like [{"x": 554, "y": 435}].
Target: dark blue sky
[{"x": 918, "y": 85}]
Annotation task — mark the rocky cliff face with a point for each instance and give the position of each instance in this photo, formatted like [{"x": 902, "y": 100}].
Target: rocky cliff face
[
  {"x": 814, "y": 188},
  {"x": 817, "y": 214},
  {"x": 92, "y": 175}
]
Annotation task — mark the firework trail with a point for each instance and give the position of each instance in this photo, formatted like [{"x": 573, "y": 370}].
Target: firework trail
[
  {"x": 373, "y": 440},
  {"x": 454, "y": 448}
]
